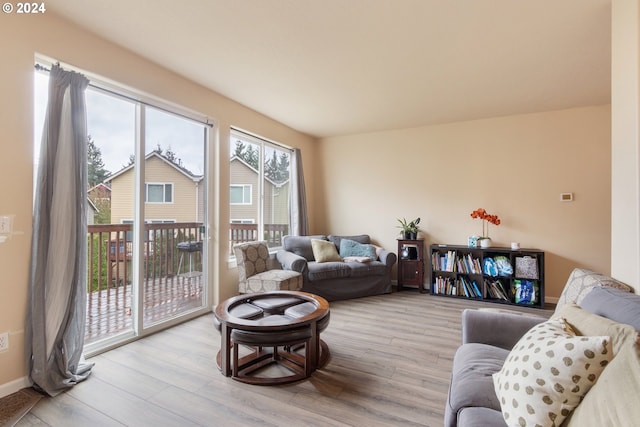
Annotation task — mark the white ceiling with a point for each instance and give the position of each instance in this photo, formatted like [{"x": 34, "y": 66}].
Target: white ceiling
[{"x": 335, "y": 67}]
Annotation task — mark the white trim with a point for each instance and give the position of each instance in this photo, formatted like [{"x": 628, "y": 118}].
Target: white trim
[
  {"x": 256, "y": 139},
  {"x": 16, "y": 385},
  {"x": 242, "y": 221}
]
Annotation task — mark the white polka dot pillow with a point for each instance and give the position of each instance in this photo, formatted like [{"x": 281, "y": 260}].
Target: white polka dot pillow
[{"x": 547, "y": 374}]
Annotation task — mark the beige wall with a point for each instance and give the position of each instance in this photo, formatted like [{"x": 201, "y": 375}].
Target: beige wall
[
  {"x": 20, "y": 40},
  {"x": 515, "y": 167}
]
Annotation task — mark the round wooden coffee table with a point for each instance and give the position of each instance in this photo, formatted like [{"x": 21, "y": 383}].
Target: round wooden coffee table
[{"x": 274, "y": 325}]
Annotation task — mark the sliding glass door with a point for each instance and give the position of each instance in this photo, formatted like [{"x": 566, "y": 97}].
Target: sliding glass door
[
  {"x": 174, "y": 216},
  {"x": 146, "y": 210}
]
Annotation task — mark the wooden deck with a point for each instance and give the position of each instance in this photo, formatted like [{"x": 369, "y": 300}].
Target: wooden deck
[{"x": 109, "y": 310}]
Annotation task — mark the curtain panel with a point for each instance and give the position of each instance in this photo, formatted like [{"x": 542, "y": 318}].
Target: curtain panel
[
  {"x": 57, "y": 288},
  {"x": 298, "y": 203}
]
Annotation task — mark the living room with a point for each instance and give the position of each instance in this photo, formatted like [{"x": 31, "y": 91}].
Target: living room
[{"x": 515, "y": 165}]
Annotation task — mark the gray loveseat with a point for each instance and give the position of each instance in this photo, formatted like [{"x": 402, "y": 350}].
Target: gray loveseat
[
  {"x": 337, "y": 280},
  {"x": 488, "y": 336}
]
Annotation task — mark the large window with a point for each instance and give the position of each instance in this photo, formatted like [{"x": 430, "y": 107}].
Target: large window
[{"x": 259, "y": 189}]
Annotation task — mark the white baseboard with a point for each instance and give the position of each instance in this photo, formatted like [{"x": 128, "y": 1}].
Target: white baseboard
[
  {"x": 13, "y": 386},
  {"x": 551, "y": 300}
]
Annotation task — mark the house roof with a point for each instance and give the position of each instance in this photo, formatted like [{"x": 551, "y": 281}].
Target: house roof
[
  {"x": 339, "y": 67},
  {"x": 101, "y": 186},
  {"x": 184, "y": 171}
]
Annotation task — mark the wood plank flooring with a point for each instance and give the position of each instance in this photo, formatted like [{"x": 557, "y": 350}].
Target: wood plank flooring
[{"x": 390, "y": 362}]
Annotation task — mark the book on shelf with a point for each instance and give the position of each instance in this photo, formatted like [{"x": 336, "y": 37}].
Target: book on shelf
[
  {"x": 468, "y": 264},
  {"x": 476, "y": 289},
  {"x": 460, "y": 286},
  {"x": 444, "y": 262},
  {"x": 495, "y": 290},
  {"x": 470, "y": 288}
]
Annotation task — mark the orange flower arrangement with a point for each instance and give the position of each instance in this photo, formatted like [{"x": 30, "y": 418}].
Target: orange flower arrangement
[{"x": 486, "y": 218}]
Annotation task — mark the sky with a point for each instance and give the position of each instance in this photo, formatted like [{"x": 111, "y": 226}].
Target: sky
[{"x": 111, "y": 124}]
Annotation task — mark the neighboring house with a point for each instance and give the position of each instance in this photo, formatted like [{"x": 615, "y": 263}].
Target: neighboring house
[
  {"x": 172, "y": 193},
  {"x": 92, "y": 210},
  {"x": 245, "y": 194},
  {"x": 100, "y": 210},
  {"x": 99, "y": 192}
]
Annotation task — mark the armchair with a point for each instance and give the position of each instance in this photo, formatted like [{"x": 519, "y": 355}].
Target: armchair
[{"x": 258, "y": 272}]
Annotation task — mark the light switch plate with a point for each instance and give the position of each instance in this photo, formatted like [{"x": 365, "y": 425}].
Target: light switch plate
[
  {"x": 566, "y": 197},
  {"x": 6, "y": 224}
]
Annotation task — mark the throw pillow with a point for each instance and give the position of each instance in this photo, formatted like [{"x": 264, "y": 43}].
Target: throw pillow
[
  {"x": 547, "y": 374},
  {"x": 349, "y": 248},
  {"x": 324, "y": 251},
  {"x": 378, "y": 251},
  {"x": 581, "y": 282},
  {"x": 357, "y": 259},
  {"x": 589, "y": 324},
  {"x": 615, "y": 304}
]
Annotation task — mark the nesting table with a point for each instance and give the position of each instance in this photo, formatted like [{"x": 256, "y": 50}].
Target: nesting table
[{"x": 274, "y": 326}]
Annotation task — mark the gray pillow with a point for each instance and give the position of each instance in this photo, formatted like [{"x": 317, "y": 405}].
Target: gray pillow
[
  {"x": 300, "y": 245},
  {"x": 614, "y": 304}
]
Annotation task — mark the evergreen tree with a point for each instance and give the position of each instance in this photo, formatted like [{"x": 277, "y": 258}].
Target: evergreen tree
[
  {"x": 251, "y": 156},
  {"x": 283, "y": 166},
  {"x": 247, "y": 153},
  {"x": 239, "y": 151},
  {"x": 271, "y": 168},
  {"x": 96, "y": 172},
  {"x": 276, "y": 167}
]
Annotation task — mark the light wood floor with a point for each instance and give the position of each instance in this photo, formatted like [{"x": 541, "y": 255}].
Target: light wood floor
[{"x": 390, "y": 364}]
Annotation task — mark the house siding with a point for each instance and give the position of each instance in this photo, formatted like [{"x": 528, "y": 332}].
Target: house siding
[{"x": 185, "y": 207}]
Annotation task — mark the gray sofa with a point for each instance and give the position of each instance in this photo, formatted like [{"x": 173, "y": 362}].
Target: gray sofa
[
  {"x": 606, "y": 308},
  {"x": 337, "y": 280}
]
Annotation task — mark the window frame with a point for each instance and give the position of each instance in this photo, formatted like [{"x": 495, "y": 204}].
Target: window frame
[{"x": 263, "y": 144}]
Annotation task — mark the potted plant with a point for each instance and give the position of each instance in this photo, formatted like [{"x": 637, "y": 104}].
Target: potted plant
[
  {"x": 485, "y": 240},
  {"x": 409, "y": 228}
]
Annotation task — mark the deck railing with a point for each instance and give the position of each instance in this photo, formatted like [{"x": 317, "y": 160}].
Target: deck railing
[
  {"x": 110, "y": 247},
  {"x": 273, "y": 233},
  {"x": 241, "y": 233},
  {"x": 171, "y": 253}
]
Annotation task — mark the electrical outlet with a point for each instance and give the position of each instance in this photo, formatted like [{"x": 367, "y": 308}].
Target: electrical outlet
[{"x": 4, "y": 341}]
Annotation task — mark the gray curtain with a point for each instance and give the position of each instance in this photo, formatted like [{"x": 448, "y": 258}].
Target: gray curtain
[
  {"x": 298, "y": 202},
  {"x": 57, "y": 288}
]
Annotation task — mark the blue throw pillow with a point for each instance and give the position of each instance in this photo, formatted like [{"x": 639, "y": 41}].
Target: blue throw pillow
[{"x": 352, "y": 248}]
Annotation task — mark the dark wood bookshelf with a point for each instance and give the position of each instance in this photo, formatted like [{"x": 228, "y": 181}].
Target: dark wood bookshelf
[{"x": 496, "y": 274}]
